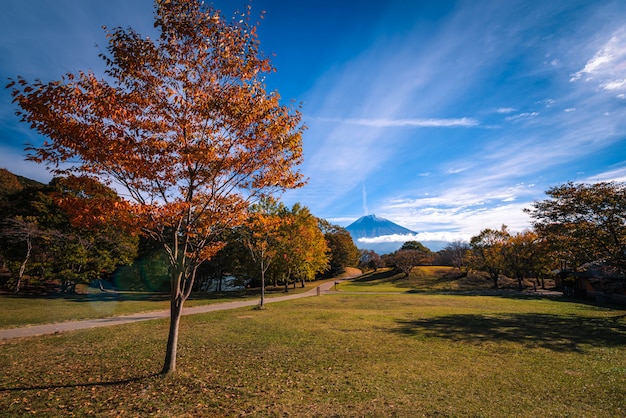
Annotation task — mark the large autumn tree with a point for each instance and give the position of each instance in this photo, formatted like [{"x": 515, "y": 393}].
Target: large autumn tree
[
  {"x": 584, "y": 222},
  {"x": 183, "y": 123}
]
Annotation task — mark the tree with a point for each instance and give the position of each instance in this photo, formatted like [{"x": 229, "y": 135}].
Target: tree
[
  {"x": 21, "y": 230},
  {"x": 343, "y": 252},
  {"x": 405, "y": 260},
  {"x": 415, "y": 245},
  {"x": 183, "y": 123},
  {"x": 370, "y": 260},
  {"x": 522, "y": 258},
  {"x": 305, "y": 252},
  {"x": 261, "y": 235},
  {"x": 456, "y": 255},
  {"x": 42, "y": 236},
  {"x": 584, "y": 222},
  {"x": 411, "y": 254},
  {"x": 488, "y": 252}
]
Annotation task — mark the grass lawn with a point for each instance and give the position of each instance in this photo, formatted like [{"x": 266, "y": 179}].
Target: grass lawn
[
  {"x": 342, "y": 354},
  {"x": 21, "y": 310}
]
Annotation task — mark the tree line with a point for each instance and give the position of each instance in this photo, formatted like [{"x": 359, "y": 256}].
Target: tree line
[
  {"x": 41, "y": 243},
  {"x": 577, "y": 224}
]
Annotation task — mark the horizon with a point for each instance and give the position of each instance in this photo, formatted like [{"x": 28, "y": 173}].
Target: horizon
[{"x": 445, "y": 117}]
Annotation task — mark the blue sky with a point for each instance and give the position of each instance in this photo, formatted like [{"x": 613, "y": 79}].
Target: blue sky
[{"x": 446, "y": 117}]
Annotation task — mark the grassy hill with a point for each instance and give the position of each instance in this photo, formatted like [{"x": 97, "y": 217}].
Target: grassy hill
[{"x": 426, "y": 279}]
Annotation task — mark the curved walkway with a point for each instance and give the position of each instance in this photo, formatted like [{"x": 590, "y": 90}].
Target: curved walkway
[{"x": 34, "y": 330}]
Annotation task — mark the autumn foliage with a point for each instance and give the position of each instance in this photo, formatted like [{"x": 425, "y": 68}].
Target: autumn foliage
[{"x": 182, "y": 124}]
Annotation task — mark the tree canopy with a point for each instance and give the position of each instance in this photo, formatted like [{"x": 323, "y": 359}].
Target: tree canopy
[
  {"x": 183, "y": 123},
  {"x": 584, "y": 222}
]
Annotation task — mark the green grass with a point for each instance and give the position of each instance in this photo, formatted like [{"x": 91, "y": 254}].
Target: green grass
[
  {"x": 367, "y": 355},
  {"x": 22, "y": 310}
]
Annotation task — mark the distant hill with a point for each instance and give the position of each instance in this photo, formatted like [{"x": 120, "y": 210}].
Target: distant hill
[
  {"x": 372, "y": 226},
  {"x": 11, "y": 183}
]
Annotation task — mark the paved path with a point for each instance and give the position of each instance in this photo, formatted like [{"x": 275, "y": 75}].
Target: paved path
[{"x": 34, "y": 330}]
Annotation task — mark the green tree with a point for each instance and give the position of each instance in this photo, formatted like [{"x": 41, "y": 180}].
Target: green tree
[
  {"x": 584, "y": 222},
  {"x": 55, "y": 247},
  {"x": 303, "y": 246},
  {"x": 261, "y": 235},
  {"x": 183, "y": 122},
  {"x": 488, "y": 252},
  {"x": 415, "y": 245},
  {"x": 343, "y": 252},
  {"x": 86, "y": 249}
]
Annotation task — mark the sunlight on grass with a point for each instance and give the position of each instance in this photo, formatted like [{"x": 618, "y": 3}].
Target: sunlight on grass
[
  {"x": 21, "y": 310},
  {"x": 337, "y": 355}
]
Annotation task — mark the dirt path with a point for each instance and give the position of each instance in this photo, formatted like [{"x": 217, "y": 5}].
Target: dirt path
[{"x": 34, "y": 330}]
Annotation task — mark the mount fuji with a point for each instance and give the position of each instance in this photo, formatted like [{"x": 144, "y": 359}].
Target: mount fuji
[{"x": 383, "y": 236}]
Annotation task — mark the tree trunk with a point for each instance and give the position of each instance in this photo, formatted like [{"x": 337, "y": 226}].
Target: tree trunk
[
  {"x": 176, "y": 309},
  {"x": 29, "y": 247},
  {"x": 262, "y": 304},
  {"x": 494, "y": 277},
  {"x": 220, "y": 280}
]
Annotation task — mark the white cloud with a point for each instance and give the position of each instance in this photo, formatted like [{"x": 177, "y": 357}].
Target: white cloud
[
  {"x": 593, "y": 65},
  {"x": 615, "y": 85},
  {"x": 506, "y": 110},
  {"x": 608, "y": 65},
  {"x": 389, "y": 238}
]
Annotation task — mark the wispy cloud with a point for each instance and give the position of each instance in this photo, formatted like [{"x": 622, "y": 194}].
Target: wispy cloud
[
  {"x": 506, "y": 110},
  {"x": 525, "y": 115},
  {"x": 617, "y": 175},
  {"x": 608, "y": 66},
  {"x": 415, "y": 123},
  {"x": 456, "y": 170}
]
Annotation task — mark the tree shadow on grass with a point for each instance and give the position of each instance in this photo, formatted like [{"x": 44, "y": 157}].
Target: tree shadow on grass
[
  {"x": 375, "y": 277},
  {"x": 557, "y": 333},
  {"x": 80, "y": 385}
]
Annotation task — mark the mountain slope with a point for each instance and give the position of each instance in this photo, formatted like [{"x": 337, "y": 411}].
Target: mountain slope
[{"x": 371, "y": 226}]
